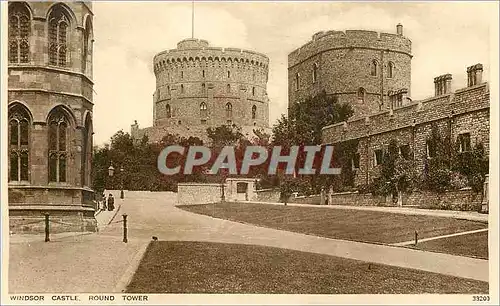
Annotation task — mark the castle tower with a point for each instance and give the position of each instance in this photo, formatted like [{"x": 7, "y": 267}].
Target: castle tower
[
  {"x": 50, "y": 116},
  {"x": 198, "y": 86},
  {"x": 363, "y": 68}
]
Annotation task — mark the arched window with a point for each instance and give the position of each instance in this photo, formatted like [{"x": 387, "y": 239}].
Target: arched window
[
  {"x": 19, "y": 32},
  {"x": 228, "y": 88},
  {"x": 228, "y": 74},
  {"x": 374, "y": 68},
  {"x": 254, "y": 112},
  {"x": 203, "y": 88},
  {"x": 361, "y": 94},
  {"x": 19, "y": 139},
  {"x": 315, "y": 72},
  {"x": 58, "y": 151},
  {"x": 168, "y": 111},
  {"x": 182, "y": 88},
  {"x": 297, "y": 81},
  {"x": 87, "y": 151},
  {"x": 203, "y": 73},
  {"x": 253, "y": 91},
  {"x": 203, "y": 110},
  {"x": 87, "y": 47},
  {"x": 390, "y": 69},
  {"x": 229, "y": 110},
  {"x": 58, "y": 36}
]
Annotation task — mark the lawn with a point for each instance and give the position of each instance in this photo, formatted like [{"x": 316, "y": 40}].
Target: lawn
[
  {"x": 199, "y": 267},
  {"x": 475, "y": 245},
  {"x": 356, "y": 225}
]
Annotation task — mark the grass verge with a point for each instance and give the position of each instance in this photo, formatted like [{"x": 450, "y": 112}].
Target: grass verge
[
  {"x": 347, "y": 224},
  {"x": 472, "y": 245},
  {"x": 200, "y": 267}
]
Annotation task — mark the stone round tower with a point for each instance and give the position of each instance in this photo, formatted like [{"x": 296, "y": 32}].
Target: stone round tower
[
  {"x": 198, "y": 86},
  {"x": 50, "y": 100},
  {"x": 364, "y": 68}
]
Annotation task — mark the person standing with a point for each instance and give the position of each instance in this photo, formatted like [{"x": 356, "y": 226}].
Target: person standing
[{"x": 111, "y": 202}]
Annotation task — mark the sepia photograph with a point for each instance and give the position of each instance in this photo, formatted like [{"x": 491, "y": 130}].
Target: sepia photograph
[{"x": 249, "y": 152}]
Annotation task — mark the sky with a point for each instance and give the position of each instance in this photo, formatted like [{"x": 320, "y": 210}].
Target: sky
[{"x": 447, "y": 37}]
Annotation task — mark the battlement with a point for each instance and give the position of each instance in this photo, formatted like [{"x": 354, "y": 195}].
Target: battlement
[
  {"x": 468, "y": 99},
  {"x": 323, "y": 41},
  {"x": 189, "y": 50}
]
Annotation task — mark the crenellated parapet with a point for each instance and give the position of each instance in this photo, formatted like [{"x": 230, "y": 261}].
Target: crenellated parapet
[
  {"x": 442, "y": 106},
  {"x": 324, "y": 41}
]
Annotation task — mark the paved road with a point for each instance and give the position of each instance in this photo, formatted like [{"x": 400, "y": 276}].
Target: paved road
[{"x": 155, "y": 215}]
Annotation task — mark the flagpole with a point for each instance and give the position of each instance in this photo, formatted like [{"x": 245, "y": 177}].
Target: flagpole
[{"x": 192, "y": 19}]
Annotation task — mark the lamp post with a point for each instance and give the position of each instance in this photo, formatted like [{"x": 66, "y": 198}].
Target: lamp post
[
  {"x": 111, "y": 171},
  {"x": 121, "y": 183}
]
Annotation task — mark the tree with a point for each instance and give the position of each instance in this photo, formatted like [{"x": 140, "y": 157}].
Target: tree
[
  {"x": 303, "y": 127},
  {"x": 397, "y": 174},
  {"x": 437, "y": 174},
  {"x": 474, "y": 165}
]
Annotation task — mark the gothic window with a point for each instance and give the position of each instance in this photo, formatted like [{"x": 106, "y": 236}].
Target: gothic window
[
  {"x": 87, "y": 47},
  {"x": 379, "y": 156},
  {"x": 58, "y": 151},
  {"x": 374, "y": 68},
  {"x": 229, "y": 74},
  {"x": 254, "y": 112},
  {"x": 355, "y": 161},
  {"x": 464, "y": 142},
  {"x": 297, "y": 81},
  {"x": 203, "y": 110},
  {"x": 168, "y": 111},
  {"x": 19, "y": 31},
  {"x": 58, "y": 36},
  {"x": 315, "y": 73},
  {"x": 203, "y": 73},
  {"x": 19, "y": 130},
  {"x": 361, "y": 94},
  {"x": 405, "y": 151},
  {"x": 86, "y": 151},
  {"x": 229, "y": 110},
  {"x": 390, "y": 70}
]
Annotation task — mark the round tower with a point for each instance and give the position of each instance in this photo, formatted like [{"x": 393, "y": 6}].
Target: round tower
[
  {"x": 359, "y": 67},
  {"x": 199, "y": 86},
  {"x": 50, "y": 115}
]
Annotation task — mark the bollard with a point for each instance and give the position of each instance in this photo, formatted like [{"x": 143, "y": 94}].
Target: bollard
[
  {"x": 125, "y": 228},
  {"x": 47, "y": 233},
  {"x": 416, "y": 237}
]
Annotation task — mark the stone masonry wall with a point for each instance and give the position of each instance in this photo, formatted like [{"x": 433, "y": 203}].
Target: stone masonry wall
[
  {"x": 464, "y": 111},
  {"x": 344, "y": 62}
]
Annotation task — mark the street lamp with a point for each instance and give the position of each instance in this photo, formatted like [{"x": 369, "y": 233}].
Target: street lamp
[{"x": 111, "y": 172}]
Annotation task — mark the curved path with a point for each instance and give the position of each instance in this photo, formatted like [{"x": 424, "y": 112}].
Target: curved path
[{"x": 152, "y": 214}]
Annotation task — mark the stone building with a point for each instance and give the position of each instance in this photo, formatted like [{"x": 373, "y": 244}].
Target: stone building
[
  {"x": 50, "y": 115},
  {"x": 463, "y": 115},
  {"x": 199, "y": 86},
  {"x": 363, "y": 68}
]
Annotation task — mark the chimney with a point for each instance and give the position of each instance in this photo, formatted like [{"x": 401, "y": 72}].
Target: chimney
[
  {"x": 442, "y": 84},
  {"x": 399, "y": 29},
  {"x": 474, "y": 75}
]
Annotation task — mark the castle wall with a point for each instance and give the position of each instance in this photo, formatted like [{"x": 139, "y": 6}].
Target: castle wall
[
  {"x": 464, "y": 111},
  {"x": 344, "y": 62}
]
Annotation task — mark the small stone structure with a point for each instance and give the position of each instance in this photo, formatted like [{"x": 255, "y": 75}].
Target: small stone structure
[{"x": 232, "y": 190}]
